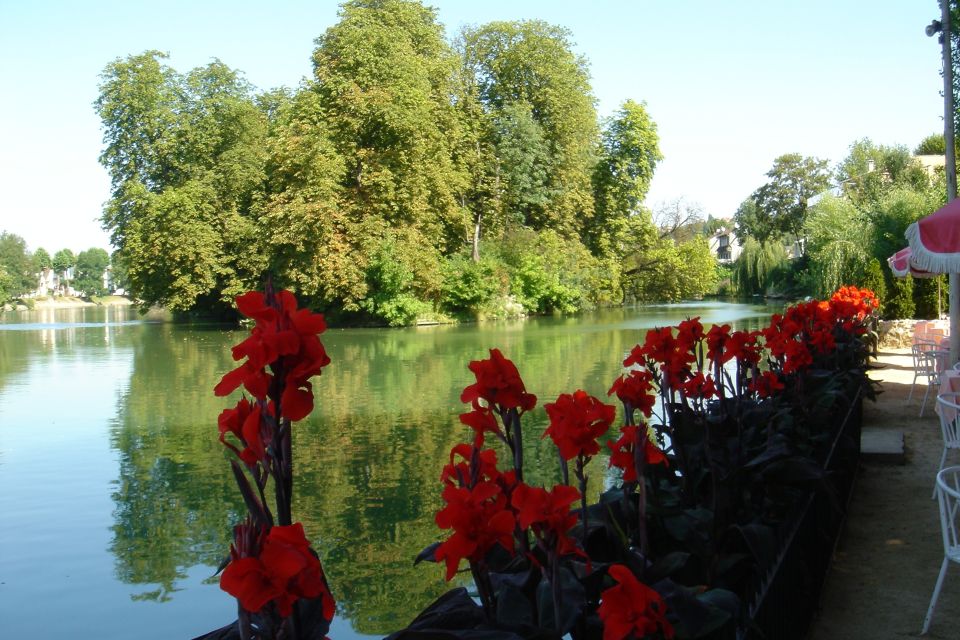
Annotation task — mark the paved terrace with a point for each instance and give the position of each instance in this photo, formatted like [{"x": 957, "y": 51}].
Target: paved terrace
[{"x": 889, "y": 554}]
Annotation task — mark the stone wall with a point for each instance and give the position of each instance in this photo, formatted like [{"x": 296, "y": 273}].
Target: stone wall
[{"x": 896, "y": 333}]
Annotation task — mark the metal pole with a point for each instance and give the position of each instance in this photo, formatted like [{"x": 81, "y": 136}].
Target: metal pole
[{"x": 951, "y": 166}]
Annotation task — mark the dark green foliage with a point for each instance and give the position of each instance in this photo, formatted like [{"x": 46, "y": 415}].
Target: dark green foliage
[
  {"x": 91, "y": 265},
  {"x": 780, "y": 206},
  {"x": 930, "y": 297},
  {"x": 362, "y": 189},
  {"x": 754, "y": 270},
  {"x": 468, "y": 285},
  {"x": 17, "y": 266},
  {"x": 873, "y": 279},
  {"x": 933, "y": 145},
  {"x": 41, "y": 260},
  {"x": 899, "y": 302}
]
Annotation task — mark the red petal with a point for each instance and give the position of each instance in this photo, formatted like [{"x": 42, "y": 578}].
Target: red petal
[
  {"x": 297, "y": 403},
  {"x": 230, "y": 381}
]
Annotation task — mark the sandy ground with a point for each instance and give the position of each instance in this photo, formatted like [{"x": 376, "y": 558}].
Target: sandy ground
[{"x": 888, "y": 557}]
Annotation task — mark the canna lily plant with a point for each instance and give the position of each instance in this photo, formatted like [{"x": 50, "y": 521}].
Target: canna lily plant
[{"x": 272, "y": 570}]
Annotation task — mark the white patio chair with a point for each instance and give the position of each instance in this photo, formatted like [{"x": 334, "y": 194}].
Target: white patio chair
[
  {"x": 948, "y": 406},
  {"x": 917, "y": 351},
  {"x": 930, "y": 362},
  {"x": 948, "y": 491}
]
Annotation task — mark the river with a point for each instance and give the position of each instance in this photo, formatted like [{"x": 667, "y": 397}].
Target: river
[{"x": 116, "y": 499}]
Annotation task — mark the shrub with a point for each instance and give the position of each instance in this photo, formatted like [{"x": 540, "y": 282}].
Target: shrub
[{"x": 899, "y": 302}]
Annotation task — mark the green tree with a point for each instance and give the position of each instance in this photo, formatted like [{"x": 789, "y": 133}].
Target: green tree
[
  {"x": 835, "y": 232},
  {"x": 523, "y": 163},
  {"x": 899, "y": 303},
  {"x": 63, "y": 261},
  {"x": 629, "y": 154},
  {"x": 17, "y": 265},
  {"x": 933, "y": 145},
  {"x": 91, "y": 265},
  {"x": 782, "y": 201},
  {"x": 385, "y": 78},
  {"x": 754, "y": 270},
  {"x": 874, "y": 280},
  {"x": 185, "y": 155},
  {"x": 41, "y": 260},
  {"x": 533, "y": 63},
  {"x": 869, "y": 171}
]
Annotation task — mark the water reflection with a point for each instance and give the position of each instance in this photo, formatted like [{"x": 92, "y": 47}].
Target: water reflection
[{"x": 368, "y": 459}]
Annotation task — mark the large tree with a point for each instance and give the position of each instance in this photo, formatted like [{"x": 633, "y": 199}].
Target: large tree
[
  {"x": 17, "y": 265},
  {"x": 629, "y": 154},
  {"x": 186, "y": 158},
  {"x": 91, "y": 265},
  {"x": 531, "y": 65},
  {"x": 780, "y": 206},
  {"x": 870, "y": 170}
]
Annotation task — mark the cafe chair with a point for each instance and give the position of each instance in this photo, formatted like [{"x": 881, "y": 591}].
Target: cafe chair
[
  {"x": 949, "y": 410},
  {"x": 948, "y": 492},
  {"x": 929, "y": 364}
]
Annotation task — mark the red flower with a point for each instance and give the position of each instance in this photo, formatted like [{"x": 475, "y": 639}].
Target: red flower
[
  {"x": 621, "y": 452},
  {"x": 658, "y": 345},
  {"x": 690, "y": 332},
  {"x": 576, "y": 421},
  {"x": 717, "y": 339},
  {"x": 481, "y": 420},
  {"x": 699, "y": 386},
  {"x": 278, "y": 567},
  {"x": 458, "y": 473},
  {"x": 547, "y": 514},
  {"x": 797, "y": 356},
  {"x": 766, "y": 385},
  {"x": 636, "y": 389},
  {"x": 498, "y": 383},
  {"x": 479, "y": 518},
  {"x": 286, "y": 340},
  {"x": 250, "y": 426},
  {"x": 743, "y": 346},
  {"x": 631, "y": 609}
]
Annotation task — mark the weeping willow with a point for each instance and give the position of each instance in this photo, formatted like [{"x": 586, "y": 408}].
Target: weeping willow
[
  {"x": 753, "y": 270},
  {"x": 836, "y": 245}
]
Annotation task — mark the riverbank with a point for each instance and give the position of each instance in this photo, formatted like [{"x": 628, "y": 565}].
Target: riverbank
[
  {"x": 888, "y": 557},
  {"x": 68, "y": 302}
]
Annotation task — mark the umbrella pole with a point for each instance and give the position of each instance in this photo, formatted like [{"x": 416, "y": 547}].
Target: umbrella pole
[{"x": 949, "y": 116}]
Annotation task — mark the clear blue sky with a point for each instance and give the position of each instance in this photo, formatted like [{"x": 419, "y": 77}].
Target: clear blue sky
[{"x": 731, "y": 85}]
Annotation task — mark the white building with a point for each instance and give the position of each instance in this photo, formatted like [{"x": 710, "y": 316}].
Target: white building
[{"x": 723, "y": 245}]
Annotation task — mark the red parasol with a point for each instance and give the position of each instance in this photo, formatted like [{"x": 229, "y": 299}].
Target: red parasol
[
  {"x": 901, "y": 265},
  {"x": 935, "y": 240}
]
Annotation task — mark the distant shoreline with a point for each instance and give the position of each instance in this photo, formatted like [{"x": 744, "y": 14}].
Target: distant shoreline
[{"x": 61, "y": 302}]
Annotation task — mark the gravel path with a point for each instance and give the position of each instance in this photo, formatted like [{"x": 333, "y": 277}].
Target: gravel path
[{"x": 889, "y": 554}]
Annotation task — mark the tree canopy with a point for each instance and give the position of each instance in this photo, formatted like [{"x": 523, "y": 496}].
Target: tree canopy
[{"x": 368, "y": 188}]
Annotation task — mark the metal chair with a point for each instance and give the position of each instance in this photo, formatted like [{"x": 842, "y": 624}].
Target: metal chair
[
  {"x": 949, "y": 409},
  {"x": 917, "y": 351},
  {"x": 948, "y": 491},
  {"x": 929, "y": 361}
]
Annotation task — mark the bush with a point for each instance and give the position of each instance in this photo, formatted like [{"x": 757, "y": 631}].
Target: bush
[
  {"x": 899, "y": 302},
  {"x": 930, "y": 297},
  {"x": 469, "y": 286},
  {"x": 874, "y": 280}
]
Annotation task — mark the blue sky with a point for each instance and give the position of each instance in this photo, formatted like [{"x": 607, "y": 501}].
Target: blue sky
[{"x": 731, "y": 85}]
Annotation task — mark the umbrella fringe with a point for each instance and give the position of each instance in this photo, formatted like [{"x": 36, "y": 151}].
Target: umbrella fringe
[{"x": 934, "y": 262}]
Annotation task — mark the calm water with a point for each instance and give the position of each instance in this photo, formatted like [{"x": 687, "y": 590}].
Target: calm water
[{"x": 116, "y": 499}]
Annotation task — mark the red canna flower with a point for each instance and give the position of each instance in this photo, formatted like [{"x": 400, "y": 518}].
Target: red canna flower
[
  {"x": 498, "y": 383},
  {"x": 699, "y": 386},
  {"x": 621, "y": 451},
  {"x": 717, "y": 339},
  {"x": 631, "y": 609},
  {"x": 547, "y": 514},
  {"x": 457, "y": 474},
  {"x": 481, "y": 420},
  {"x": 576, "y": 421},
  {"x": 277, "y": 567},
  {"x": 766, "y": 385},
  {"x": 635, "y": 388},
  {"x": 743, "y": 346},
  {"x": 251, "y": 426},
  {"x": 285, "y": 339},
  {"x": 658, "y": 345},
  {"x": 479, "y": 518},
  {"x": 689, "y": 333}
]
